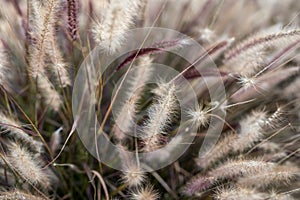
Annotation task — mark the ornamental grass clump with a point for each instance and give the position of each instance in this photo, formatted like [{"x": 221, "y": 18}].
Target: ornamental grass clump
[{"x": 237, "y": 95}]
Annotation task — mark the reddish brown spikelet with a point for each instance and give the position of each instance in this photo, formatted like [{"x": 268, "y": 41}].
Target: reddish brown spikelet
[
  {"x": 199, "y": 183},
  {"x": 72, "y": 9},
  {"x": 156, "y": 48}
]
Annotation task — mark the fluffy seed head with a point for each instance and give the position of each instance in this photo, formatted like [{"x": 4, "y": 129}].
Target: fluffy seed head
[
  {"x": 28, "y": 166},
  {"x": 160, "y": 115},
  {"x": 125, "y": 117},
  {"x": 249, "y": 55},
  {"x": 275, "y": 119},
  {"x": 14, "y": 128},
  {"x": 220, "y": 150},
  {"x": 247, "y": 82},
  {"x": 51, "y": 96},
  {"x": 4, "y": 70},
  {"x": 133, "y": 175},
  {"x": 236, "y": 168},
  {"x": 207, "y": 35},
  {"x": 231, "y": 169},
  {"x": 276, "y": 176},
  {"x": 18, "y": 195},
  {"x": 145, "y": 193},
  {"x": 249, "y": 194},
  {"x": 199, "y": 116},
  {"x": 198, "y": 183},
  {"x": 240, "y": 193},
  {"x": 250, "y": 130},
  {"x": 110, "y": 31}
]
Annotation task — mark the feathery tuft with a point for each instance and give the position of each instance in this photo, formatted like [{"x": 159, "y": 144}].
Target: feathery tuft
[
  {"x": 133, "y": 175},
  {"x": 145, "y": 193},
  {"x": 125, "y": 118},
  {"x": 231, "y": 169},
  {"x": 160, "y": 115},
  {"x": 43, "y": 20},
  {"x": 110, "y": 31},
  {"x": 18, "y": 195},
  {"x": 277, "y": 176},
  {"x": 4, "y": 68},
  {"x": 15, "y": 129},
  {"x": 27, "y": 165},
  {"x": 249, "y": 55},
  {"x": 248, "y": 194}
]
